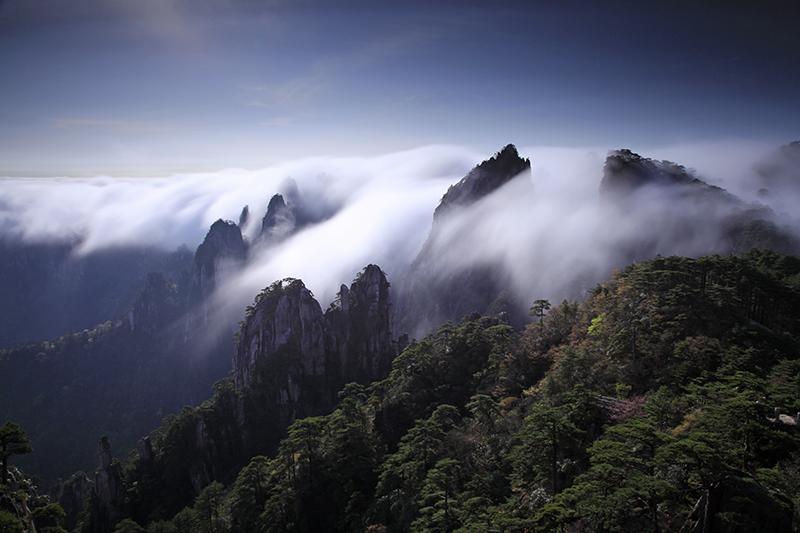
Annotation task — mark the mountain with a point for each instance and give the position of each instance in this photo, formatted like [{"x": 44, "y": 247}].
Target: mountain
[
  {"x": 483, "y": 180},
  {"x": 291, "y": 361},
  {"x": 625, "y": 171},
  {"x": 670, "y": 385},
  {"x": 434, "y": 290},
  {"x": 51, "y": 289},
  {"x": 666, "y": 400},
  {"x": 688, "y": 216},
  {"x": 351, "y": 341},
  {"x": 121, "y": 377}
]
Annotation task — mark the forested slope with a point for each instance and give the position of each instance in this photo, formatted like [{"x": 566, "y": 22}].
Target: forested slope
[{"x": 667, "y": 400}]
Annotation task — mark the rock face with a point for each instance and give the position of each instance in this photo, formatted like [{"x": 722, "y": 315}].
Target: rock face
[
  {"x": 287, "y": 340},
  {"x": 223, "y": 248},
  {"x": 291, "y": 360},
  {"x": 359, "y": 328},
  {"x": 435, "y": 290},
  {"x": 286, "y": 319}
]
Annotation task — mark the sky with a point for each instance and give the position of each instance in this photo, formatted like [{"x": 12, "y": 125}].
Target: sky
[{"x": 150, "y": 87}]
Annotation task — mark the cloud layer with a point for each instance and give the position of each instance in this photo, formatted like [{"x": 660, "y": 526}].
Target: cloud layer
[{"x": 551, "y": 232}]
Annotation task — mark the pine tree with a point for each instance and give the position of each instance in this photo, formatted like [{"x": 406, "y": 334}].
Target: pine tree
[{"x": 13, "y": 441}]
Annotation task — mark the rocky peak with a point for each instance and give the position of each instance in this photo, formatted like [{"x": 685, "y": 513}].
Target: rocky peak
[
  {"x": 286, "y": 331},
  {"x": 223, "y": 246},
  {"x": 433, "y": 293},
  {"x": 484, "y": 179},
  {"x": 285, "y": 320},
  {"x": 625, "y": 171},
  {"x": 279, "y": 221}
]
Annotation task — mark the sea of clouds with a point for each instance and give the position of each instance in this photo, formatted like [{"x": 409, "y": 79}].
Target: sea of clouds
[{"x": 548, "y": 230}]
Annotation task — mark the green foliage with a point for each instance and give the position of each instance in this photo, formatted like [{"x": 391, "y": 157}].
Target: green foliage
[
  {"x": 249, "y": 492},
  {"x": 128, "y": 526},
  {"x": 548, "y": 443},
  {"x": 9, "y": 523},
  {"x": 49, "y": 518},
  {"x": 539, "y": 308},
  {"x": 13, "y": 441},
  {"x": 209, "y": 508},
  {"x": 186, "y": 521},
  {"x": 161, "y": 526},
  {"x": 663, "y": 402},
  {"x": 596, "y": 325}
]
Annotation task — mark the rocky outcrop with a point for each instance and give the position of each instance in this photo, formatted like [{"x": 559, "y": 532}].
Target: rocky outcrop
[
  {"x": 108, "y": 494},
  {"x": 359, "y": 327},
  {"x": 286, "y": 332},
  {"x": 436, "y": 290},
  {"x": 222, "y": 249}
]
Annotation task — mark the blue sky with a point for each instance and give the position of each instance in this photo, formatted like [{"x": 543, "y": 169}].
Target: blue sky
[{"x": 154, "y": 86}]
